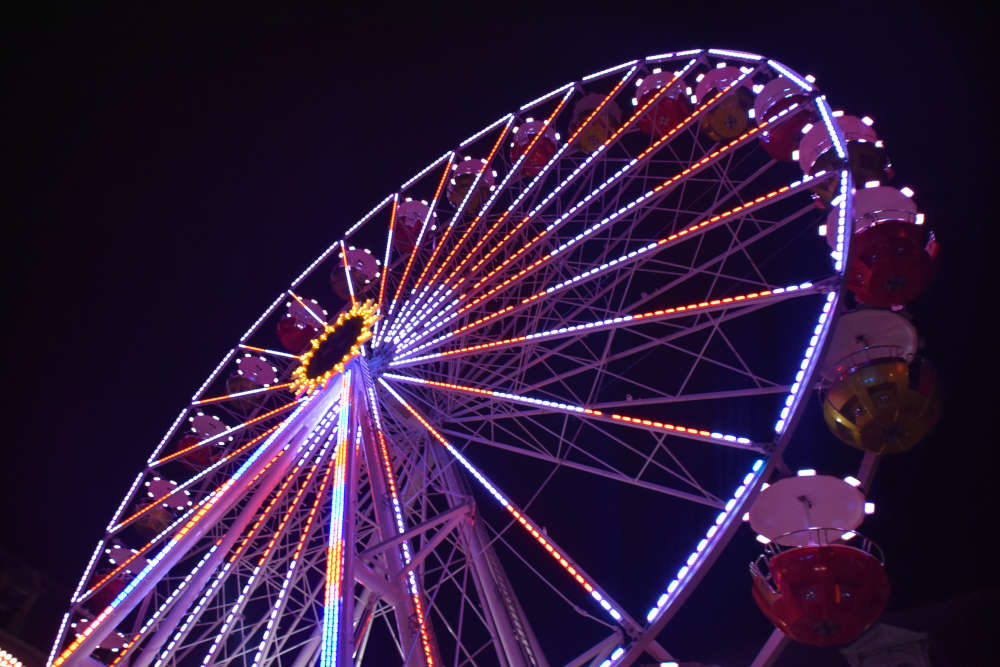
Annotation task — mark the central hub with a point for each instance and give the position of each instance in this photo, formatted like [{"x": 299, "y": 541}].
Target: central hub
[
  {"x": 380, "y": 358},
  {"x": 339, "y": 343},
  {"x": 335, "y": 347}
]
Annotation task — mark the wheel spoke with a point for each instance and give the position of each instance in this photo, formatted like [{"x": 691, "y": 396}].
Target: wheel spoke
[
  {"x": 615, "y": 475},
  {"x": 487, "y": 164},
  {"x": 388, "y": 249},
  {"x": 588, "y": 584},
  {"x": 420, "y": 236},
  {"x": 692, "y": 433},
  {"x": 619, "y": 263},
  {"x": 228, "y": 431},
  {"x": 242, "y": 394},
  {"x": 514, "y": 170},
  {"x": 617, "y": 133},
  {"x": 190, "y": 482},
  {"x": 618, "y": 176},
  {"x": 659, "y": 315}
]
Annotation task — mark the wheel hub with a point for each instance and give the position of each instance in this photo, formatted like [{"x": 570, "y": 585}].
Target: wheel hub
[{"x": 338, "y": 344}]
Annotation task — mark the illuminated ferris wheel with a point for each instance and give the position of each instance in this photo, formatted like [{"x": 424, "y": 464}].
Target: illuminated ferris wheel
[{"x": 604, "y": 310}]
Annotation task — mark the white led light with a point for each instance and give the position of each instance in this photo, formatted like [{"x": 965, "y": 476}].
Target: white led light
[
  {"x": 831, "y": 127},
  {"x": 423, "y": 172},
  {"x": 763, "y": 540},
  {"x": 853, "y": 481},
  {"x": 805, "y": 85},
  {"x": 906, "y": 191},
  {"x": 806, "y": 472},
  {"x": 263, "y": 316},
  {"x": 869, "y": 508},
  {"x": 486, "y": 129},
  {"x": 609, "y": 70},
  {"x": 743, "y": 55}
]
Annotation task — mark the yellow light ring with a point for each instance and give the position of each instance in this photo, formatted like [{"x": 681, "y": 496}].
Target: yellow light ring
[{"x": 301, "y": 382}]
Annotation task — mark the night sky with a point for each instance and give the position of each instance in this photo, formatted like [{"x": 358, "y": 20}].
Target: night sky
[{"x": 167, "y": 175}]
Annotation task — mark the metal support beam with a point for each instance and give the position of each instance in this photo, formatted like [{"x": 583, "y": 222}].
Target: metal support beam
[
  {"x": 771, "y": 651},
  {"x": 432, "y": 544},
  {"x": 460, "y": 511},
  {"x": 517, "y": 640},
  {"x": 597, "y": 651}
]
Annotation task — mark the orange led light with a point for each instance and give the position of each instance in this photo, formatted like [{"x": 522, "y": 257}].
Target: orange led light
[
  {"x": 700, "y": 225},
  {"x": 242, "y": 393},
  {"x": 503, "y": 216},
  {"x": 447, "y": 231},
  {"x": 121, "y": 524},
  {"x": 413, "y": 254},
  {"x": 468, "y": 230},
  {"x": 651, "y": 423},
  {"x": 347, "y": 271},
  {"x": 529, "y": 526},
  {"x": 208, "y": 503},
  {"x": 249, "y": 422},
  {"x": 638, "y": 316},
  {"x": 524, "y": 221},
  {"x": 385, "y": 272},
  {"x": 305, "y": 532},
  {"x": 306, "y": 307},
  {"x": 415, "y": 598},
  {"x": 302, "y": 383},
  {"x": 607, "y": 142},
  {"x": 642, "y": 155}
]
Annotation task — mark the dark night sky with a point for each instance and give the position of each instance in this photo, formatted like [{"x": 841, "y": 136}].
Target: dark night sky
[{"x": 168, "y": 174}]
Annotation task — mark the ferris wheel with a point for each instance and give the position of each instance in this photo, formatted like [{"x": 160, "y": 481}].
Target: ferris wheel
[{"x": 605, "y": 310}]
